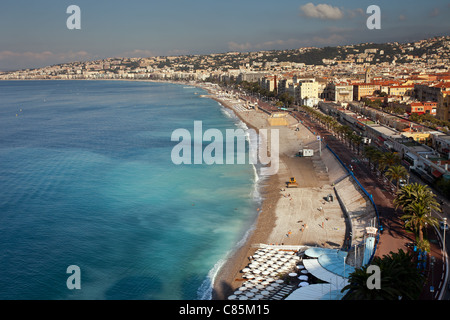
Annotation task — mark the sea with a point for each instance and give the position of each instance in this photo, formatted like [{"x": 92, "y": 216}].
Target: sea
[{"x": 87, "y": 180}]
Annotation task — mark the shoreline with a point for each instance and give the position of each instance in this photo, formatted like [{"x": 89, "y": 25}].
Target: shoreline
[
  {"x": 285, "y": 210},
  {"x": 225, "y": 280},
  {"x": 278, "y": 212}
]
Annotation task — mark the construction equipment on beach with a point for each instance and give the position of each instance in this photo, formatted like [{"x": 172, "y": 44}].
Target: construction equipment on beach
[{"x": 292, "y": 183}]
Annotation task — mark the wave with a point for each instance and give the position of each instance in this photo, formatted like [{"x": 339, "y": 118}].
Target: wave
[{"x": 204, "y": 292}]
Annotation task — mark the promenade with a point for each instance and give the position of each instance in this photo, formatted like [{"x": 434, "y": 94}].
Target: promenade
[{"x": 394, "y": 236}]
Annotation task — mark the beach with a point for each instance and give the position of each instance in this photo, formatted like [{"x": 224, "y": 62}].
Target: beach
[{"x": 288, "y": 216}]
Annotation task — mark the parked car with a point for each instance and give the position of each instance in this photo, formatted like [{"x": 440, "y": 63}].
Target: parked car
[{"x": 402, "y": 183}]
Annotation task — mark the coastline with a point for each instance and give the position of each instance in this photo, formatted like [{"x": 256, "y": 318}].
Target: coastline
[
  {"x": 226, "y": 281},
  {"x": 285, "y": 210},
  {"x": 277, "y": 213}
]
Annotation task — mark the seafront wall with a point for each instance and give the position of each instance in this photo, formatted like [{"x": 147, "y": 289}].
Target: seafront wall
[{"x": 359, "y": 207}]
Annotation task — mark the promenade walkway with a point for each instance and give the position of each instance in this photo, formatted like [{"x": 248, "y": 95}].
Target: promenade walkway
[{"x": 394, "y": 235}]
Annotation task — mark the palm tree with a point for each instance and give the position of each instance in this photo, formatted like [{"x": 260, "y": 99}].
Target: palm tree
[
  {"x": 358, "y": 140},
  {"x": 388, "y": 159},
  {"x": 368, "y": 152},
  {"x": 416, "y": 192},
  {"x": 417, "y": 202},
  {"x": 419, "y": 216},
  {"x": 376, "y": 158},
  {"x": 396, "y": 173},
  {"x": 399, "y": 278}
]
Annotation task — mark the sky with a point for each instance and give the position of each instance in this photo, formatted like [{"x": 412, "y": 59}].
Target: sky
[{"x": 35, "y": 34}]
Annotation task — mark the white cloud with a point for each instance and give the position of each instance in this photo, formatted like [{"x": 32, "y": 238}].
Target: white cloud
[
  {"x": 234, "y": 46},
  {"x": 11, "y": 60},
  {"x": 42, "y": 56},
  {"x": 139, "y": 53},
  {"x": 321, "y": 11}
]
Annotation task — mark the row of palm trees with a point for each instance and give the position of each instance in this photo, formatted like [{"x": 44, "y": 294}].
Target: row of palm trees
[
  {"x": 416, "y": 200},
  {"x": 344, "y": 132},
  {"x": 400, "y": 277},
  {"x": 387, "y": 163}
]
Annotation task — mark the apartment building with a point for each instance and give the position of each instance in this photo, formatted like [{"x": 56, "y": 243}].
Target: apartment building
[
  {"x": 443, "y": 107},
  {"x": 400, "y": 90},
  {"x": 361, "y": 90},
  {"x": 338, "y": 92},
  {"x": 422, "y": 107},
  {"x": 306, "y": 88}
]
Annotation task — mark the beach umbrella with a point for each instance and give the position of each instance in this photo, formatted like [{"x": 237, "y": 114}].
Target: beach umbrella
[
  {"x": 259, "y": 296},
  {"x": 279, "y": 281},
  {"x": 292, "y": 274},
  {"x": 265, "y": 293},
  {"x": 246, "y": 270},
  {"x": 242, "y": 288},
  {"x": 270, "y": 288},
  {"x": 237, "y": 292},
  {"x": 259, "y": 286},
  {"x": 254, "y": 290},
  {"x": 304, "y": 271},
  {"x": 249, "y": 294},
  {"x": 243, "y": 298},
  {"x": 303, "y": 278},
  {"x": 266, "y": 273},
  {"x": 232, "y": 297},
  {"x": 275, "y": 285},
  {"x": 274, "y": 274},
  {"x": 300, "y": 267},
  {"x": 303, "y": 284}
]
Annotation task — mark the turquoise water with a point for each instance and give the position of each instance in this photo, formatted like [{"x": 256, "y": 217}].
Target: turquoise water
[{"x": 86, "y": 179}]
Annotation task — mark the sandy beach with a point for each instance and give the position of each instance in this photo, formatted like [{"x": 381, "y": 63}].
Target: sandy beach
[{"x": 288, "y": 216}]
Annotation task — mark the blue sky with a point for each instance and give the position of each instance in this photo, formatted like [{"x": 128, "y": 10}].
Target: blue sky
[{"x": 34, "y": 33}]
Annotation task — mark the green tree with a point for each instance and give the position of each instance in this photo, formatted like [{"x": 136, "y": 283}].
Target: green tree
[
  {"x": 416, "y": 192},
  {"x": 388, "y": 159},
  {"x": 417, "y": 201},
  {"x": 399, "y": 278},
  {"x": 396, "y": 173},
  {"x": 418, "y": 216}
]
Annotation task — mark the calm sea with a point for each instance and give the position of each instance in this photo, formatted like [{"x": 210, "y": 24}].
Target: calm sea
[{"x": 86, "y": 179}]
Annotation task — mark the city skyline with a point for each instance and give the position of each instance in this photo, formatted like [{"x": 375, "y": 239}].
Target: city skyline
[{"x": 35, "y": 34}]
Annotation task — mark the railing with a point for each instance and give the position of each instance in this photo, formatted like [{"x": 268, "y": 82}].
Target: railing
[{"x": 366, "y": 193}]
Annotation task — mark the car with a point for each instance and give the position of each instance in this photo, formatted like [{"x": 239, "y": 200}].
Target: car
[
  {"x": 442, "y": 226},
  {"x": 402, "y": 183}
]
